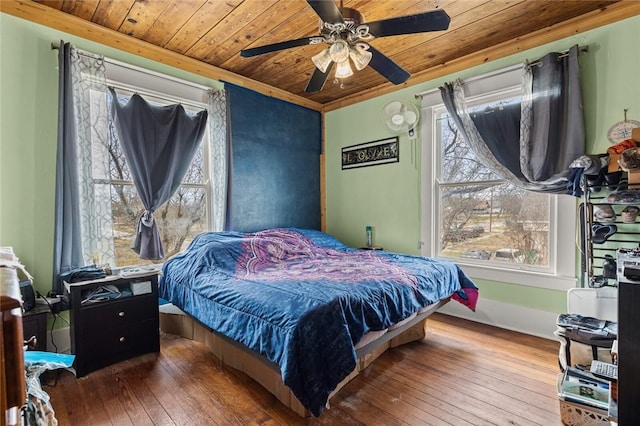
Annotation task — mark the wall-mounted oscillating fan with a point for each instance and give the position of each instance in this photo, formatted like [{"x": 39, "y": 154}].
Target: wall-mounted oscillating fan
[{"x": 401, "y": 118}]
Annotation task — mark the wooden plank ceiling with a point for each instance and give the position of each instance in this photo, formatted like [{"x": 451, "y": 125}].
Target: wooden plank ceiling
[{"x": 214, "y": 32}]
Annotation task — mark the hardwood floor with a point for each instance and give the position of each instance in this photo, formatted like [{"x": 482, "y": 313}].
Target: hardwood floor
[{"x": 463, "y": 373}]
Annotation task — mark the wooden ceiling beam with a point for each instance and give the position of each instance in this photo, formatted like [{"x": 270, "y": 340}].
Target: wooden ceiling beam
[{"x": 61, "y": 21}]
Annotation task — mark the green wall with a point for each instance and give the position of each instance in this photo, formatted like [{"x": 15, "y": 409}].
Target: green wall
[
  {"x": 387, "y": 196},
  {"x": 28, "y": 131}
]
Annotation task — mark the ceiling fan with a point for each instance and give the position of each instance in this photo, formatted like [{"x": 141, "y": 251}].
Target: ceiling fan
[{"x": 348, "y": 37}]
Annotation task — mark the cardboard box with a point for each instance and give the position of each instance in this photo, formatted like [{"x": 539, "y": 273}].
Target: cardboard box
[
  {"x": 613, "y": 163},
  {"x": 634, "y": 175}
]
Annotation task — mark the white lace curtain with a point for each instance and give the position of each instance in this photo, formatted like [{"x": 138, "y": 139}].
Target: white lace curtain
[{"x": 219, "y": 137}]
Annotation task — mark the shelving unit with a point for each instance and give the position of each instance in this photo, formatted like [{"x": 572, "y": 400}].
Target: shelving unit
[{"x": 626, "y": 236}]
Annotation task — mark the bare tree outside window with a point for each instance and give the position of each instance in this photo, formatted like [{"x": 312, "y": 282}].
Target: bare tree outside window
[
  {"x": 483, "y": 217},
  {"x": 179, "y": 220}
]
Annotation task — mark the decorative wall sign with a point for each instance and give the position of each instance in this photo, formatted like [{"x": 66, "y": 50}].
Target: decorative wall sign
[{"x": 371, "y": 153}]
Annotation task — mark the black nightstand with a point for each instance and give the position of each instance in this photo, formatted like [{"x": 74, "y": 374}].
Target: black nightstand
[
  {"x": 104, "y": 332},
  {"x": 34, "y": 323}
]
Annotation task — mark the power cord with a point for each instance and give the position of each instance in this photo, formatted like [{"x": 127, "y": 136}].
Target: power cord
[
  {"x": 55, "y": 317},
  {"x": 52, "y": 382}
]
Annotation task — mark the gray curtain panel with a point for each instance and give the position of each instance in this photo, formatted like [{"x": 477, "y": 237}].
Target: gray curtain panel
[
  {"x": 159, "y": 143},
  {"x": 81, "y": 98},
  {"x": 531, "y": 144},
  {"x": 67, "y": 246}
]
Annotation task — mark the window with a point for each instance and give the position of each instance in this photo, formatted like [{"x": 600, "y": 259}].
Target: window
[
  {"x": 492, "y": 228},
  {"x": 181, "y": 218}
]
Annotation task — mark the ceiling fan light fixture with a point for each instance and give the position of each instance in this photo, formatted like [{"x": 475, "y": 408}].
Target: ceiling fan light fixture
[
  {"x": 360, "y": 56},
  {"x": 343, "y": 70},
  {"x": 322, "y": 60},
  {"x": 339, "y": 51}
]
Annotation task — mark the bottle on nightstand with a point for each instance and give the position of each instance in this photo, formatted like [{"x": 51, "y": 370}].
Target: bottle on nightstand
[{"x": 369, "y": 231}]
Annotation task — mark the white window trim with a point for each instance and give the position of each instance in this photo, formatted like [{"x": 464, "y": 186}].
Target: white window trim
[{"x": 562, "y": 231}]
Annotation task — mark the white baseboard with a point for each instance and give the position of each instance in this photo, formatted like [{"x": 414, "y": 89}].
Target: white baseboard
[{"x": 505, "y": 315}]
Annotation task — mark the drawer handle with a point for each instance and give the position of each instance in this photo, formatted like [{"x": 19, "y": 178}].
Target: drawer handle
[
  {"x": 122, "y": 339},
  {"x": 120, "y": 314}
]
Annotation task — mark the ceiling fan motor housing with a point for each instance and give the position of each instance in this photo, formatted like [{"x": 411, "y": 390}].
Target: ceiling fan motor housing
[{"x": 351, "y": 16}]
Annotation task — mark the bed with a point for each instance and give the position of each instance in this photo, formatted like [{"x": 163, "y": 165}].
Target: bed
[{"x": 310, "y": 308}]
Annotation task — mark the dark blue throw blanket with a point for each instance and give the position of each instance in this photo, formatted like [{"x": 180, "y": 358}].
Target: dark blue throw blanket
[{"x": 303, "y": 299}]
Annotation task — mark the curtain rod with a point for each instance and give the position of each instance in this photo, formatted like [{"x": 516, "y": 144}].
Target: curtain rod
[
  {"x": 56, "y": 46},
  {"x": 497, "y": 72},
  {"x": 563, "y": 55}
]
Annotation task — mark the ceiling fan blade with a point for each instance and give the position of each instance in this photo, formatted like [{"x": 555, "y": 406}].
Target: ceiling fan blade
[
  {"x": 435, "y": 20},
  {"x": 389, "y": 69},
  {"x": 327, "y": 11},
  {"x": 317, "y": 80},
  {"x": 255, "y": 51}
]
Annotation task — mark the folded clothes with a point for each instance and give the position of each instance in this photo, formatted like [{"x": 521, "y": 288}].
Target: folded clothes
[
  {"x": 83, "y": 273},
  {"x": 574, "y": 181}
]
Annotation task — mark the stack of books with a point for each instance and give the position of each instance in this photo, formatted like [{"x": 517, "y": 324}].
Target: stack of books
[{"x": 583, "y": 387}]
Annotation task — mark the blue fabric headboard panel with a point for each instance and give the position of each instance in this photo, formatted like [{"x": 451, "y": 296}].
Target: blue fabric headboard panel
[{"x": 275, "y": 170}]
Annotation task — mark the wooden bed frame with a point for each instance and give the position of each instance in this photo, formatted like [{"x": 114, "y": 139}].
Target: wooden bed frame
[{"x": 267, "y": 373}]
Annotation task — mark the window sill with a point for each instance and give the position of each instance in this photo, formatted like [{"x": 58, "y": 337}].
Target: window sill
[{"x": 520, "y": 277}]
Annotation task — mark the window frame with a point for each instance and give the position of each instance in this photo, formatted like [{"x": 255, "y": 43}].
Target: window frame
[
  {"x": 561, "y": 272},
  {"x": 163, "y": 89}
]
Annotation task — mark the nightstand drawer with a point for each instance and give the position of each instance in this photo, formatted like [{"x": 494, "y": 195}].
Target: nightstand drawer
[
  {"x": 118, "y": 314},
  {"x": 124, "y": 339}
]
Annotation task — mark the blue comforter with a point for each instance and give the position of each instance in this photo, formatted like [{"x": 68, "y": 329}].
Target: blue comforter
[{"x": 303, "y": 299}]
